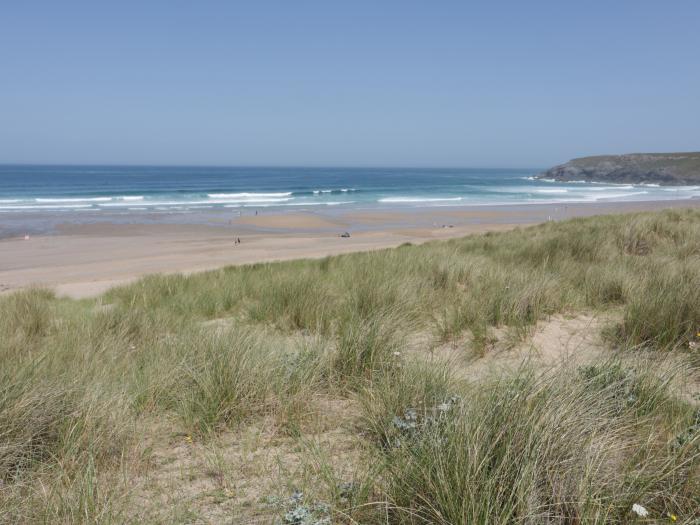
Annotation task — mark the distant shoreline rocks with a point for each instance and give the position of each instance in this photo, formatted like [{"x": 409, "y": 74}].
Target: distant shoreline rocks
[{"x": 671, "y": 169}]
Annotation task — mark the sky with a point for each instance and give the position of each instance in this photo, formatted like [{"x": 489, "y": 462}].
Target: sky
[{"x": 354, "y": 83}]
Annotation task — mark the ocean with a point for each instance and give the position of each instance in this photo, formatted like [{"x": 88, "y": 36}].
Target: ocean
[
  {"x": 69, "y": 189},
  {"x": 35, "y": 199}
]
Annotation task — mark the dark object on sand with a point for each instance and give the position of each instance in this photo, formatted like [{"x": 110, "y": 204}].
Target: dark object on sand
[{"x": 345, "y": 234}]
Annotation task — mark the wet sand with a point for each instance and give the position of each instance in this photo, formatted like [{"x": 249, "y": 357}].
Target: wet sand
[{"x": 83, "y": 260}]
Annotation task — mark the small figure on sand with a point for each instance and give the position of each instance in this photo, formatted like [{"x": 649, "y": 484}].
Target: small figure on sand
[
  {"x": 345, "y": 234},
  {"x": 237, "y": 240}
]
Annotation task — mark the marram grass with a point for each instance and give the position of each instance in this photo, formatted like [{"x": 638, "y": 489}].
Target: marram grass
[{"x": 83, "y": 382}]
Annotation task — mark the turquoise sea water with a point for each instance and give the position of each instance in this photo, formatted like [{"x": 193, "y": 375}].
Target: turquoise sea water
[{"x": 30, "y": 190}]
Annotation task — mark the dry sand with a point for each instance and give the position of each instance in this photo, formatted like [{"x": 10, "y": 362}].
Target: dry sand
[{"x": 84, "y": 260}]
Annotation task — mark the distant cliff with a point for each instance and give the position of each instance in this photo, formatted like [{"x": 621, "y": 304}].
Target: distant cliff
[{"x": 635, "y": 168}]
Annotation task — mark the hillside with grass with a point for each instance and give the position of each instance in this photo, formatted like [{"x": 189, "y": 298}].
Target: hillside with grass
[
  {"x": 636, "y": 168},
  {"x": 549, "y": 374}
]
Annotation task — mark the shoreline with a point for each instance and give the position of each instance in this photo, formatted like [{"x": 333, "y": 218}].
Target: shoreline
[
  {"x": 84, "y": 260},
  {"x": 16, "y": 224}
]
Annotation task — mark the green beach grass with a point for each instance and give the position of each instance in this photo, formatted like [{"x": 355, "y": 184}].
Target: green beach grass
[{"x": 308, "y": 392}]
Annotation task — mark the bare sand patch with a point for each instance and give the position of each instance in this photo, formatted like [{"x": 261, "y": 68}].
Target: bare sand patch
[
  {"x": 239, "y": 476},
  {"x": 553, "y": 342},
  {"x": 284, "y": 221}
]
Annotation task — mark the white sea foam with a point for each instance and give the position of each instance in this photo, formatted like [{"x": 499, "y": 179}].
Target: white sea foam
[
  {"x": 76, "y": 199},
  {"x": 252, "y": 200},
  {"x": 620, "y": 195},
  {"x": 245, "y": 195},
  {"x": 418, "y": 199},
  {"x": 150, "y": 204},
  {"x": 551, "y": 191},
  {"x": 66, "y": 201},
  {"x": 610, "y": 183},
  {"x": 334, "y": 203},
  {"x": 682, "y": 188},
  {"x": 44, "y": 206},
  {"x": 608, "y": 188},
  {"x": 206, "y": 202}
]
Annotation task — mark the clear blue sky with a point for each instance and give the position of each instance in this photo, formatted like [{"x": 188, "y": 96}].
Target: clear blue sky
[{"x": 521, "y": 83}]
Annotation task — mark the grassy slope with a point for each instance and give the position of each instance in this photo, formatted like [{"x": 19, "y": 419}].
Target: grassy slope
[
  {"x": 84, "y": 385},
  {"x": 689, "y": 162},
  {"x": 665, "y": 168}
]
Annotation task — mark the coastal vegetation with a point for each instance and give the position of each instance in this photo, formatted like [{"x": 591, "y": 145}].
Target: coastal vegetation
[
  {"x": 409, "y": 385},
  {"x": 636, "y": 168}
]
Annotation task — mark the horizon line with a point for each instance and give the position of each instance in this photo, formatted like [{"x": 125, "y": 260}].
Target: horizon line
[{"x": 238, "y": 166}]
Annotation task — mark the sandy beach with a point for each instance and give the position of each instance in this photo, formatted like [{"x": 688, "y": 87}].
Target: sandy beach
[{"x": 83, "y": 260}]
